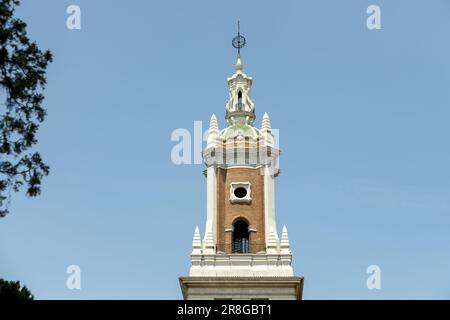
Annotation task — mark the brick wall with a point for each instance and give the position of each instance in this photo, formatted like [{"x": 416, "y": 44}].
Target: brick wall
[{"x": 228, "y": 213}]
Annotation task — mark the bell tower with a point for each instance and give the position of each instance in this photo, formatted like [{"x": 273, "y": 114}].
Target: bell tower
[{"x": 241, "y": 255}]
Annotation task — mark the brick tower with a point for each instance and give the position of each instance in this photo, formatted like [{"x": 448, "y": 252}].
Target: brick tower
[{"x": 241, "y": 255}]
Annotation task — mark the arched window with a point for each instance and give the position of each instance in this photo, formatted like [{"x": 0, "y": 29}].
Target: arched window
[
  {"x": 240, "y": 101},
  {"x": 240, "y": 237}
]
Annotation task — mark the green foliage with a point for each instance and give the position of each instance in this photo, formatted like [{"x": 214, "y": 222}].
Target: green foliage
[
  {"x": 11, "y": 290},
  {"x": 22, "y": 76}
]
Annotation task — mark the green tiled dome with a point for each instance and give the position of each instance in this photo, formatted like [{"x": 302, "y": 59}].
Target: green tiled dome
[{"x": 240, "y": 129}]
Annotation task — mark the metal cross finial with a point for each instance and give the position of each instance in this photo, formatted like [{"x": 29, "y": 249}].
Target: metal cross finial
[{"x": 238, "y": 41}]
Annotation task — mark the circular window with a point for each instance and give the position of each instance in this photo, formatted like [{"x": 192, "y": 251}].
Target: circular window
[{"x": 240, "y": 192}]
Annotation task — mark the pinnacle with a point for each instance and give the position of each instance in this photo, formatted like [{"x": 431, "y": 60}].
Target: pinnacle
[
  {"x": 213, "y": 125},
  {"x": 265, "y": 122}
]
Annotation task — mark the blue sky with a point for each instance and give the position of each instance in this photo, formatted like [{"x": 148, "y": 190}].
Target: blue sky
[{"x": 364, "y": 119}]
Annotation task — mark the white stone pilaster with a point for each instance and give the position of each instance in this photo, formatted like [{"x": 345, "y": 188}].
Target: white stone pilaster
[
  {"x": 269, "y": 202},
  {"x": 211, "y": 203}
]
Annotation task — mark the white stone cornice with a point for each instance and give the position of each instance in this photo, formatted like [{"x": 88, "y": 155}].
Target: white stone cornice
[{"x": 241, "y": 265}]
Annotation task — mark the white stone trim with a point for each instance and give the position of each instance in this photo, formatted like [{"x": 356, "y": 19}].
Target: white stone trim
[
  {"x": 269, "y": 203},
  {"x": 211, "y": 203},
  {"x": 241, "y": 265},
  {"x": 242, "y": 288},
  {"x": 247, "y": 186}
]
